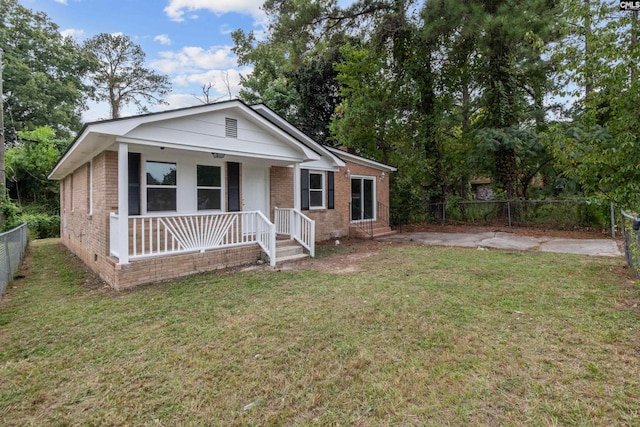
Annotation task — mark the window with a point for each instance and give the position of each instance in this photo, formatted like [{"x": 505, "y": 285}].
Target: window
[
  {"x": 209, "y": 187},
  {"x": 161, "y": 186},
  {"x": 316, "y": 190}
]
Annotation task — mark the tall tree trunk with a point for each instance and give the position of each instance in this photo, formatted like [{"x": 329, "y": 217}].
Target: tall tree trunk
[
  {"x": 466, "y": 107},
  {"x": 3, "y": 174},
  {"x": 634, "y": 41},
  {"x": 505, "y": 171},
  {"x": 588, "y": 88}
]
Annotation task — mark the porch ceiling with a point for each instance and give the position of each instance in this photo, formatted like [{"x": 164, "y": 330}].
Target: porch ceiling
[{"x": 176, "y": 151}]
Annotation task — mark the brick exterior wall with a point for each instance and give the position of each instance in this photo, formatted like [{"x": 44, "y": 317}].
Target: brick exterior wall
[
  {"x": 85, "y": 231},
  {"x": 334, "y": 223},
  {"x": 85, "y": 228},
  {"x": 330, "y": 223},
  {"x": 281, "y": 192}
]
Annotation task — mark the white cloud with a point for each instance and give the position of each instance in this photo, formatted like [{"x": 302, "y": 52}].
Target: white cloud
[
  {"x": 175, "y": 10},
  {"x": 74, "y": 33},
  {"x": 194, "y": 59},
  {"x": 64, "y": 2},
  {"x": 162, "y": 39},
  {"x": 179, "y": 100},
  {"x": 219, "y": 78}
]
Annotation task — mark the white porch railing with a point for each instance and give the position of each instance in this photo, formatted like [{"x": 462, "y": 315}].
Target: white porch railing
[
  {"x": 155, "y": 235},
  {"x": 297, "y": 226}
]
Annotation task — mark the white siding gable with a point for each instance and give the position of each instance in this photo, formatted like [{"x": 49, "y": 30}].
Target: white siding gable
[{"x": 207, "y": 131}]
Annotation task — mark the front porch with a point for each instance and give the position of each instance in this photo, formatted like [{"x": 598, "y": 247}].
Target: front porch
[{"x": 150, "y": 236}]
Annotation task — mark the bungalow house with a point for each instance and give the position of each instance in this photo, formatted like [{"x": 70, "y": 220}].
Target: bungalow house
[{"x": 167, "y": 194}]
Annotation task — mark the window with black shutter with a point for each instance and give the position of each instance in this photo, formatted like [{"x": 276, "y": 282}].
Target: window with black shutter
[{"x": 233, "y": 186}]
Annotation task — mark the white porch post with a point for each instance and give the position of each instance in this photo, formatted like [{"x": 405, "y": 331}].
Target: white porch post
[
  {"x": 296, "y": 186},
  {"x": 123, "y": 202},
  {"x": 297, "y": 203}
]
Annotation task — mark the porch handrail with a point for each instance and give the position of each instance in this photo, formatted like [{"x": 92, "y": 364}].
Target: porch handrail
[
  {"x": 365, "y": 224},
  {"x": 266, "y": 236},
  {"x": 382, "y": 212},
  {"x": 298, "y": 226},
  {"x": 157, "y": 234},
  {"x": 282, "y": 219},
  {"x": 305, "y": 231}
]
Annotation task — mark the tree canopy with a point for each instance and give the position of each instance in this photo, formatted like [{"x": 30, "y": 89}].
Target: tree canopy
[
  {"x": 448, "y": 90},
  {"x": 120, "y": 77},
  {"x": 43, "y": 73}
]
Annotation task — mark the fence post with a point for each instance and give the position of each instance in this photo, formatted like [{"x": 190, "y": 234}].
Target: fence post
[
  {"x": 23, "y": 239},
  {"x": 444, "y": 213},
  {"x": 509, "y": 212},
  {"x": 6, "y": 249},
  {"x": 613, "y": 223}
]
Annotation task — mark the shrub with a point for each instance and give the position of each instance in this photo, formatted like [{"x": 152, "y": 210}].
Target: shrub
[
  {"x": 9, "y": 214},
  {"x": 41, "y": 225}
]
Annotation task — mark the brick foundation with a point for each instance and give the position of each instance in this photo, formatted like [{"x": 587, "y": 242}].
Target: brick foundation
[{"x": 169, "y": 267}]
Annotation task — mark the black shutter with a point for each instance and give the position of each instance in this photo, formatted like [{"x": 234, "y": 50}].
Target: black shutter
[
  {"x": 134, "y": 183},
  {"x": 330, "y": 191},
  {"x": 304, "y": 189},
  {"x": 233, "y": 187}
]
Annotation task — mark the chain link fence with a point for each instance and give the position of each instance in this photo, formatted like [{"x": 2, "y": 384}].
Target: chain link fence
[
  {"x": 12, "y": 247},
  {"x": 560, "y": 214},
  {"x": 631, "y": 234}
]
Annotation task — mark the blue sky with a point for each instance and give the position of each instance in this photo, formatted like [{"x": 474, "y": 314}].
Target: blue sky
[{"x": 188, "y": 40}]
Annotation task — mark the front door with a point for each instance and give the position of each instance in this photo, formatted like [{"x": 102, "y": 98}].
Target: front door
[
  {"x": 363, "y": 196},
  {"x": 255, "y": 192}
]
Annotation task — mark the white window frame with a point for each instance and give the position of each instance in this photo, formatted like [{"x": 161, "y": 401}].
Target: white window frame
[
  {"x": 323, "y": 190},
  {"x": 206, "y": 187},
  {"x": 148, "y": 186},
  {"x": 375, "y": 196}
]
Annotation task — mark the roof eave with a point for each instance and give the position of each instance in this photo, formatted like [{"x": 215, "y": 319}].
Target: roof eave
[{"x": 362, "y": 160}]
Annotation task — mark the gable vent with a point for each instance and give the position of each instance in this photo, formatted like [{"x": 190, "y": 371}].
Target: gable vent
[{"x": 230, "y": 127}]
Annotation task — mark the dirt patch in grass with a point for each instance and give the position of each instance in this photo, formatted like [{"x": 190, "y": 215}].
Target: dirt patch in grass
[{"x": 343, "y": 256}]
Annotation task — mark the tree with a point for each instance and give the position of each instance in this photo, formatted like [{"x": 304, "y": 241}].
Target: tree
[
  {"x": 42, "y": 77},
  {"x": 29, "y": 162},
  {"x": 514, "y": 78},
  {"x": 304, "y": 91},
  {"x": 120, "y": 77},
  {"x": 293, "y": 68},
  {"x": 600, "y": 147},
  {"x": 43, "y": 73}
]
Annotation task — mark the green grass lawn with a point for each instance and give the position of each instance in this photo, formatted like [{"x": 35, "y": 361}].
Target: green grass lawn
[{"x": 421, "y": 336}]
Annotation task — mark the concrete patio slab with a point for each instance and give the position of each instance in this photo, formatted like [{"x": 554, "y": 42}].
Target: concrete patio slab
[
  {"x": 599, "y": 247},
  {"x": 510, "y": 241}
]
